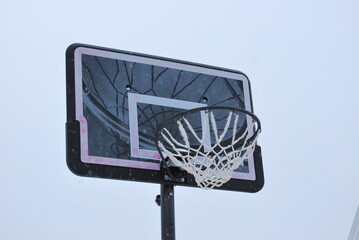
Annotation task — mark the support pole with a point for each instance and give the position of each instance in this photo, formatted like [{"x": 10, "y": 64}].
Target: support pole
[{"x": 167, "y": 212}]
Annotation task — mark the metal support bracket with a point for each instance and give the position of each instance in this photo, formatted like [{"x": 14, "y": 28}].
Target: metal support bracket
[{"x": 173, "y": 175}]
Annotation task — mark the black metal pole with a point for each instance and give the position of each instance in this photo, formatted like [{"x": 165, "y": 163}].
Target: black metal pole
[{"x": 167, "y": 212}]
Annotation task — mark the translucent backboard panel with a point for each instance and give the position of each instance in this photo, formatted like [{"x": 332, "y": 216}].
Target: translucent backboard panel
[{"x": 116, "y": 100}]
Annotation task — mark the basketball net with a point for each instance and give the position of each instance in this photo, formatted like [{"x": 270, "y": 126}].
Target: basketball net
[{"x": 211, "y": 165}]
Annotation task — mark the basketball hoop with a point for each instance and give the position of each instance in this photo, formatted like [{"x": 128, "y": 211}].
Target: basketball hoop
[{"x": 212, "y": 152}]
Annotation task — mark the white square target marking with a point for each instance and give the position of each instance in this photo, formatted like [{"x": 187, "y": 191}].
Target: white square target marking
[{"x": 134, "y": 99}]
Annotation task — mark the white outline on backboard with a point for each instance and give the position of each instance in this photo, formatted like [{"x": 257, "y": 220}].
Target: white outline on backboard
[{"x": 86, "y": 158}]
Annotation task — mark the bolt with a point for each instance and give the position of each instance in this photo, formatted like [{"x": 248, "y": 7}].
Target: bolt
[{"x": 158, "y": 200}]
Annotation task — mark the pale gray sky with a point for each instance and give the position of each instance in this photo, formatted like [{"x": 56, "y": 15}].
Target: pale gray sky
[{"x": 302, "y": 58}]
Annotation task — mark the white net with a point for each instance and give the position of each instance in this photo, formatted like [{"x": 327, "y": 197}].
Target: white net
[{"x": 212, "y": 165}]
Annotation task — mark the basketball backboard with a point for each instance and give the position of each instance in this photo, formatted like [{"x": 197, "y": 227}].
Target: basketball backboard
[{"x": 116, "y": 100}]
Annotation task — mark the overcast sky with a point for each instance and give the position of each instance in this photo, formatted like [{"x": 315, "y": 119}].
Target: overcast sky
[{"x": 302, "y": 58}]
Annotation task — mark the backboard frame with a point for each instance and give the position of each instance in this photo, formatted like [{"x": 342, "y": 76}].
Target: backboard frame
[{"x": 73, "y": 134}]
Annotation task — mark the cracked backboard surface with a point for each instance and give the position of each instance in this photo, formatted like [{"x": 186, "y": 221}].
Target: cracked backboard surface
[{"x": 117, "y": 100}]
